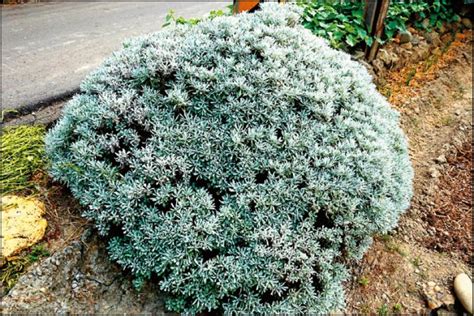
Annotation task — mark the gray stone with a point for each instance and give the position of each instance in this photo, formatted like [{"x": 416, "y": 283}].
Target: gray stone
[
  {"x": 408, "y": 45},
  {"x": 405, "y": 37},
  {"x": 423, "y": 51},
  {"x": 384, "y": 56},
  {"x": 467, "y": 23},
  {"x": 45, "y": 116},
  {"x": 463, "y": 290},
  {"x": 84, "y": 275},
  {"x": 378, "y": 66},
  {"x": 389, "y": 58},
  {"x": 433, "y": 38}
]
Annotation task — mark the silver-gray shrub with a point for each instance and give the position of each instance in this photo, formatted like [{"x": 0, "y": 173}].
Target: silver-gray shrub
[{"x": 240, "y": 162}]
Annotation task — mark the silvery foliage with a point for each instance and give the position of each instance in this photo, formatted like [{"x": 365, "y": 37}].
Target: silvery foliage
[{"x": 241, "y": 161}]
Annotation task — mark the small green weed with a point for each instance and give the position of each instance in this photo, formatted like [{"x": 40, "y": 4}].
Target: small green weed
[
  {"x": 448, "y": 121},
  {"x": 410, "y": 76},
  {"x": 172, "y": 19},
  {"x": 364, "y": 281},
  {"x": 397, "y": 308},
  {"x": 12, "y": 270},
  {"x": 392, "y": 246},
  {"x": 382, "y": 310},
  {"x": 385, "y": 238},
  {"x": 416, "y": 262},
  {"x": 38, "y": 252}
]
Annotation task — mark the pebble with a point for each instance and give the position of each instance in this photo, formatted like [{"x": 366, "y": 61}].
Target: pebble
[
  {"x": 405, "y": 37},
  {"x": 449, "y": 300},
  {"x": 432, "y": 304},
  {"x": 407, "y": 45},
  {"x": 463, "y": 290},
  {"x": 444, "y": 312},
  {"x": 467, "y": 23},
  {"x": 434, "y": 173},
  {"x": 441, "y": 159}
]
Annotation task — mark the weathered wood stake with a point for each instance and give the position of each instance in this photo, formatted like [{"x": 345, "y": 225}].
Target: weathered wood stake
[{"x": 375, "y": 14}]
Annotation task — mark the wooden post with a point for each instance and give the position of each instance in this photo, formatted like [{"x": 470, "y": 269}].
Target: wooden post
[
  {"x": 375, "y": 14},
  {"x": 370, "y": 13}
]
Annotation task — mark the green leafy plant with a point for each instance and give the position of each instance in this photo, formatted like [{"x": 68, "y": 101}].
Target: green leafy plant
[
  {"x": 241, "y": 161},
  {"x": 416, "y": 262},
  {"x": 342, "y": 22},
  {"x": 436, "y": 12}
]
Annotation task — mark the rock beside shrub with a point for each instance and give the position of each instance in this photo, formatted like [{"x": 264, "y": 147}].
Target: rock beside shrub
[
  {"x": 23, "y": 224},
  {"x": 239, "y": 163}
]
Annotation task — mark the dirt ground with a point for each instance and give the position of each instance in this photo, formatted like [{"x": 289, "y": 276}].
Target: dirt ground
[{"x": 412, "y": 269}]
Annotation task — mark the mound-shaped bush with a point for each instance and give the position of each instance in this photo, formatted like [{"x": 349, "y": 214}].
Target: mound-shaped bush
[{"x": 239, "y": 163}]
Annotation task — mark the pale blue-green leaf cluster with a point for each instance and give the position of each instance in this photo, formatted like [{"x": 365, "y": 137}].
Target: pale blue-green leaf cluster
[{"x": 240, "y": 162}]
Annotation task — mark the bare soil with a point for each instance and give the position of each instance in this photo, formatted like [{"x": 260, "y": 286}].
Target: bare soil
[
  {"x": 63, "y": 214},
  {"x": 451, "y": 217},
  {"x": 412, "y": 270}
]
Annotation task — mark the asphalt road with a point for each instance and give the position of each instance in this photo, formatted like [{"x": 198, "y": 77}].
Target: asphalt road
[{"x": 48, "y": 48}]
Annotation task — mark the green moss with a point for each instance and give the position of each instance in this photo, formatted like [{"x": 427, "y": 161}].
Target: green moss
[{"x": 22, "y": 153}]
